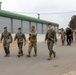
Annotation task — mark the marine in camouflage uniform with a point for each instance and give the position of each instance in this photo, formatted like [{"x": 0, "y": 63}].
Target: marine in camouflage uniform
[
  {"x": 32, "y": 42},
  {"x": 51, "y": 39},
  {"x": 20, "y": 38},
  {"x": 62, "y": 33},
  {"x": 7, "y": 39}
]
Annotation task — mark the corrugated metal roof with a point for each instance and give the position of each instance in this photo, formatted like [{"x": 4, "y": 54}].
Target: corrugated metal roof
[{"x": 23, "y": 17}]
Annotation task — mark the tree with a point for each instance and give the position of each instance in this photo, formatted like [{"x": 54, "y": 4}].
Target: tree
[{"x": 72, "y": 23}]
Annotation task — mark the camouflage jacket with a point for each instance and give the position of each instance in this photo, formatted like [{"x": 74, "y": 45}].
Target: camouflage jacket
[
  {"x": 51, "y": 35},
  {"x": 62, "y": 33},
  {"x": 33, "y": 36},
  {"x": 20, "y": 37},
  {"x": 6, "y": 36}
]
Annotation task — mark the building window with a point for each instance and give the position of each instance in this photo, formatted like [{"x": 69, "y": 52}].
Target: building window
[
  {"x": 56, "y": 28},
  {"x": 39, "y": 28},
  {"x": 16, "y": 25},
  {"x": 5, "y": 22},
  {"x": 44, "y": 28},
  {"x": 33, "y": 24},
  {"x": 26, "y": 26}
]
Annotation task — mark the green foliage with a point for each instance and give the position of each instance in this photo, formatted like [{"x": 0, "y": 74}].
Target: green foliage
[{"x": 72, "y": 23}]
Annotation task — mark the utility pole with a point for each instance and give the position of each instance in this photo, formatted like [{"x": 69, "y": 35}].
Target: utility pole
[
  {"x": 38, "y": 16},
  {"x": 0, "y": 5}
]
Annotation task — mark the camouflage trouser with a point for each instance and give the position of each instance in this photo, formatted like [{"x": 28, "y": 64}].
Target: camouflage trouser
[
  {"x": 50, "y": 45},
  {"x": 63, "y": 40},
  {"x": 6, "y": 47},
  {"x": 32, "y": 45},
  {"x": 20, "y": 45}
]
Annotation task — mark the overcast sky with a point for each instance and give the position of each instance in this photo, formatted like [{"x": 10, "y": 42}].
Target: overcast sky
[{"x": 43, "y": 6}]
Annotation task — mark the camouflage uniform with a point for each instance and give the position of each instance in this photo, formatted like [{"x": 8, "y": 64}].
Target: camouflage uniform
[
  {"x": 7, "y": 39},
  {"x": 32, "y": 42},
  {"x": 62, "y": 36},
  {"x": 20, "y": 36},
  {"x": 51, "y": 39}
]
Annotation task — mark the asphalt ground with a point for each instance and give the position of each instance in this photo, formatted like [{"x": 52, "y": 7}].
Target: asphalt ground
[{"x": 64, "y": 62}]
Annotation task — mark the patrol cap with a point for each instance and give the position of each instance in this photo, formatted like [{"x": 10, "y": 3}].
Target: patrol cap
[
  {"x": 19, "y": 28},
  {"x": 5, "y": 27}
]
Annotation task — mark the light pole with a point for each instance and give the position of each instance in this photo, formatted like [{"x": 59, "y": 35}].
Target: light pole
[
  {"x": 38, "y": 16},
  {"x": 0, "y": 5}
]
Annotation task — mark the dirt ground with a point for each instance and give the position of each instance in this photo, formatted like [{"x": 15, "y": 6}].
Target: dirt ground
[{"x": 13, "y": 44}]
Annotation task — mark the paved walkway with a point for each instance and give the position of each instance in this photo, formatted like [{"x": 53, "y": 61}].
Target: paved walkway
[
  {"x": 63, "y": 64},
  {"x": 71, "y": 73}
]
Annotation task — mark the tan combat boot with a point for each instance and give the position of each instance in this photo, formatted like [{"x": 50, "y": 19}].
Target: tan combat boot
[
  {"x": 18, "y": 55},
  {"x": 21, "y": 54},
  {"x": 35, "y": 55},
  {"x": 8, "y": 55},
  {"x": 28, "y": 55},
  {"x": 49, "y": 58},
  {"x": 5, "y": 55},
  {"x": 62, "y": 44}
]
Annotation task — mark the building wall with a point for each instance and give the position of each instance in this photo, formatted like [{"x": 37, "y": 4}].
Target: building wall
[
  {"x": 14, "y": 24},
  {"x": 45, "y": 28},
  {"x": 39, "y": 28},
  {"x": 34, "y": 24},
  {"x": 5, "y": 22},
  {"x": 26, "y": 26}
]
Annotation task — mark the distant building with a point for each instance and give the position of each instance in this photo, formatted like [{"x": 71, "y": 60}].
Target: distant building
[{"x": 13, "y": 21}]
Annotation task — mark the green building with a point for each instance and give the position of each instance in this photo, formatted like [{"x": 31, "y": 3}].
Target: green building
[{"x": 13, "y": 21}]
